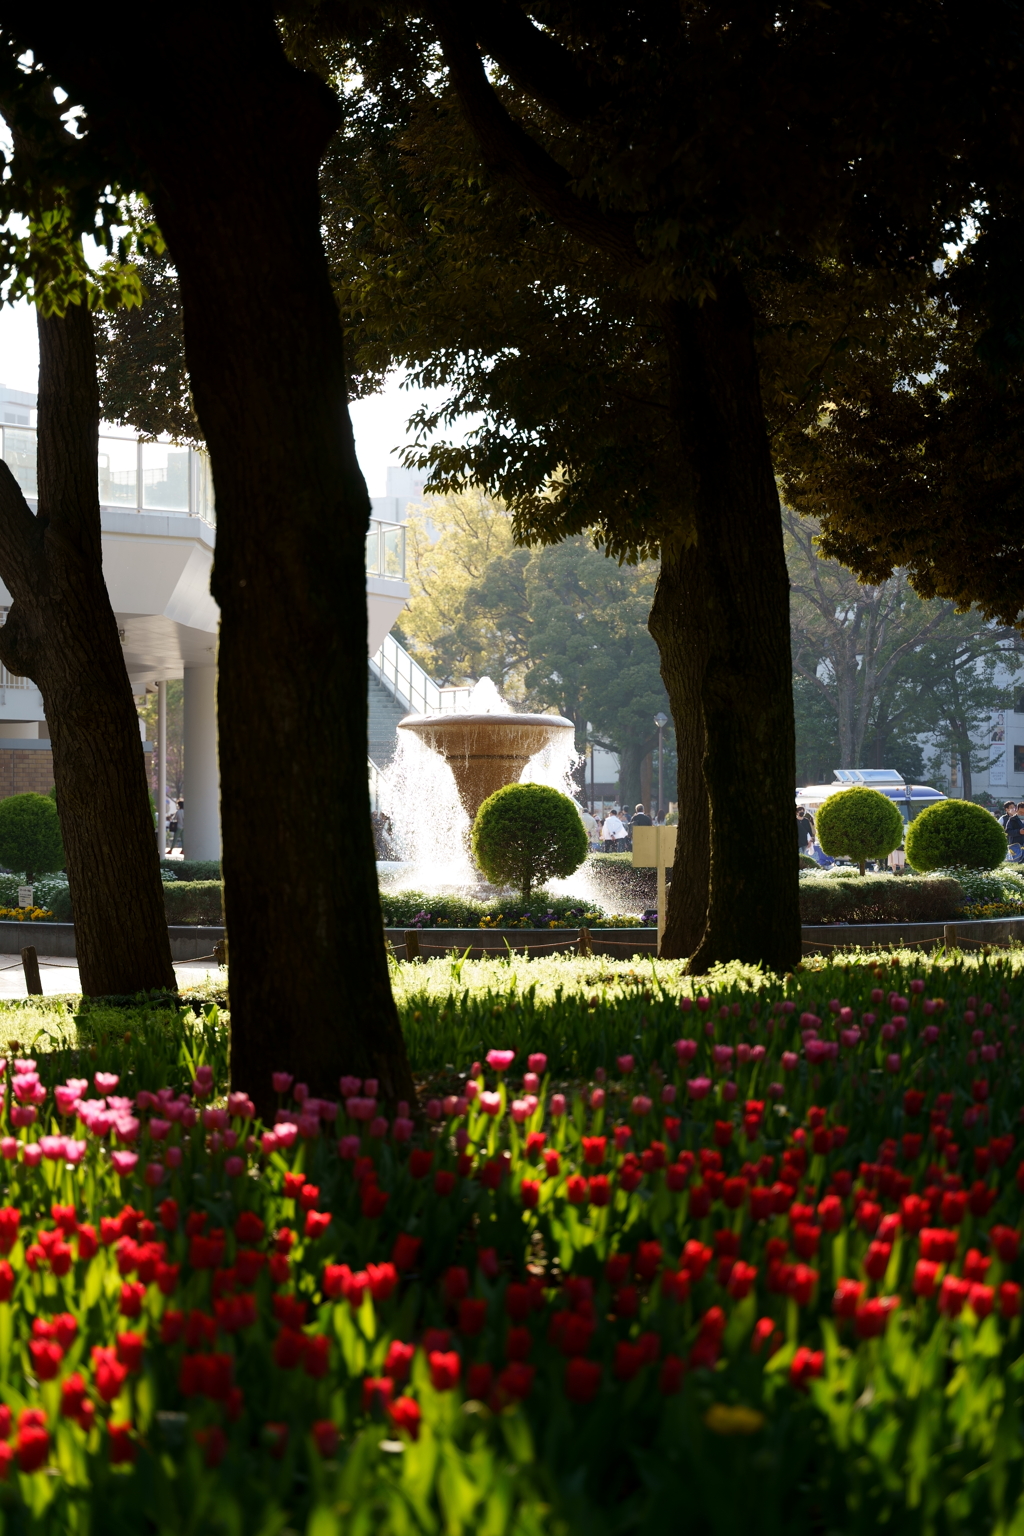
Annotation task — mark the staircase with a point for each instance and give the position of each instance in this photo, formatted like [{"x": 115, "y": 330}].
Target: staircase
[
  {"x": 399, "y": 686},
  {"x": 385, "y": 713}
]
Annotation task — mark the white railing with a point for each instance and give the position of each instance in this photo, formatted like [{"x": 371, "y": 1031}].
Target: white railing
[
  {"x": 406, "y": 679},
  {"x": 411, "y": 686},
  {"x": 132, "y": 476}
]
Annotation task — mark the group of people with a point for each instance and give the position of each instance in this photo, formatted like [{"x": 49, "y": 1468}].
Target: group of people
[
  {"x": 1011, "y": 821},
  {"x": 614, "y": 835}
]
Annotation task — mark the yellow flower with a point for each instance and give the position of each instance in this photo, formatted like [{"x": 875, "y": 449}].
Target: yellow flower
[{"x": 729, "y": 1419}]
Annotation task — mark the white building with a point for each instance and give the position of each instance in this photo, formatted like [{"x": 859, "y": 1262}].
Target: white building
[{"x": 159, "y": 529}]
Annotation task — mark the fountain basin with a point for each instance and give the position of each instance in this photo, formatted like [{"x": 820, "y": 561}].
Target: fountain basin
[{"x": 485, "y": 751}]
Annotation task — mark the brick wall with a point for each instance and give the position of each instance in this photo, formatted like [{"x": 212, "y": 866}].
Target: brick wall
[{"x": 22, "y": 770}]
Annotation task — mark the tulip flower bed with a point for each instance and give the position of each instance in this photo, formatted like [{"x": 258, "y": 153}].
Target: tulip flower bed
[{"x": 760, "y": 1271}]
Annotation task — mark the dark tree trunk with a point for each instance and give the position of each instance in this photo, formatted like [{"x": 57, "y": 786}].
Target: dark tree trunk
[
  {"x": 743, "y": 654},
  {"x": 229, "y": 138},
  {"x": 677, "y": 625},
  {"x": 62, "y": 633}
]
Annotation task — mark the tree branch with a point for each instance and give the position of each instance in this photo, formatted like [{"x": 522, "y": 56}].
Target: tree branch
[
  {"x": 509, "y": 148},
  {"x": 21, "y": 567},
  {"x": 535, "y": 60}
]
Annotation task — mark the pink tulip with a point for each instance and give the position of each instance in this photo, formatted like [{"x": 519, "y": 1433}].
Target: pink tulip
[
  {"x": 537, "y": 1062},
  {"x": 557, "y": 1105},
  {"x": 124, "y": 1162},
  {"x": 698, "y": 1087},
  {"x": 500, "y": 1061},
  {"x": 106, "y": 1082},
  {"x": 154, "y": 1174}
]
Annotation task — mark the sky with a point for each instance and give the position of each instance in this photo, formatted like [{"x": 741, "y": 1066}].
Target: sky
[{"x": 379, "y": 421}]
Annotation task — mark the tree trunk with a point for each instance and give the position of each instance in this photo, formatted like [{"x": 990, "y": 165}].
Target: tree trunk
[
  {"x": 631, "y": 757},
  {"x": 62, "y": 633},
  {"x": 676, "y": 623},
  {"x": 229, "y": 138},
  {"x": 745, "y": 689}
]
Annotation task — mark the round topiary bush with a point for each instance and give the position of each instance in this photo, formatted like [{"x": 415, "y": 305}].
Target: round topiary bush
[
  {"x": 30, "y": 837},
  {"x": 955, "y": 833},
  {"x": 859, "y": 824},
  {"x": 525, "y": 834}
]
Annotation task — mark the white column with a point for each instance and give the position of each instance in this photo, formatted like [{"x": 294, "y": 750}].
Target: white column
[
  {"x": 161, "y": 769},
  {"x": 202, "y": 778}
]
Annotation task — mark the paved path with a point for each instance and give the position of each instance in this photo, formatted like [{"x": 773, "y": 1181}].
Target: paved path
[{"x": 60, "y": 976}]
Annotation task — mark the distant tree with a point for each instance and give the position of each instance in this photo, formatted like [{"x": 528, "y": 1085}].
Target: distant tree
[
  {"x": 558, "y": 627},
  {"x": 887, "y": 667}
]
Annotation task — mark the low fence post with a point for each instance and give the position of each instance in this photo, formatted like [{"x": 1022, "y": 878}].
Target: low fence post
[
  {"x": 583, "y": 942},
  {"x": 949, "y": 935},
  {"x": 30, "y": 961},
  {"x": 412, "y": 944}
]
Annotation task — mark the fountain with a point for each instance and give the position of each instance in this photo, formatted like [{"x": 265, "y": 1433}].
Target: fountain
[{"x": 488, "y": 745}]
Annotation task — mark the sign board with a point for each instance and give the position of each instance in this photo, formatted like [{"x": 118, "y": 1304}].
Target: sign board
[
  {"x": 25, "y": 896},
  {"x": 655, "y": 848},
  {"x": 649, "y": 842}
]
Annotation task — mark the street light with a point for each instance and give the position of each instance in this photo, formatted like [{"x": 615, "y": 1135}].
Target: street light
[{"x": 660, "y": 721}]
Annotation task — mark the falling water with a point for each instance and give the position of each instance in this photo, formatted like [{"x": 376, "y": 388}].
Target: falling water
[{"x": 429, "y": 826}]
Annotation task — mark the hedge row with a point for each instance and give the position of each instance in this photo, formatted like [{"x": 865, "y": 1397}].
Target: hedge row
[
  {"x": 194, "y": 901},
  {"x": 879, "y": 899}
]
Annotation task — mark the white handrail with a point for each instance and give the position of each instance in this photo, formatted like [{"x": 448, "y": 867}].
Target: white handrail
[{"x": 406, "y": 679}]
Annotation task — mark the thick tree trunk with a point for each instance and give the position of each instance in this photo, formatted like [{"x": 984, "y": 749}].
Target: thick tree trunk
[
  {"x": 229, "y": 137},
  {"x": 677, "y": 625},
  {"x": 745, "y": 690},
  {"x": 62, "y": 633}
]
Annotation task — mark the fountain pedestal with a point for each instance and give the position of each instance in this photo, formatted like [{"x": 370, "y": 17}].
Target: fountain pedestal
[{"x": 485, "y": 751}]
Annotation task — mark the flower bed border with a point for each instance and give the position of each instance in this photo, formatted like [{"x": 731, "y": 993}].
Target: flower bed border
[
  {"x": 188, "y": 942},
  {"x": 623, "y": 943}
]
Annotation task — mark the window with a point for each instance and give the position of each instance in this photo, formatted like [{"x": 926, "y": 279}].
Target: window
[
  {"x": 1018, "y": 704},
  {"x": 1018, "y": 759}
]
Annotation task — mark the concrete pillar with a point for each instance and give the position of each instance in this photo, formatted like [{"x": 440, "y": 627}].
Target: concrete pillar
[{"x": 202, "y": 778}]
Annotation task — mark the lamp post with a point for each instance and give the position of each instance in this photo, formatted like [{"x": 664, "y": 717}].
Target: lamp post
[{"x": 660, "y": 721}]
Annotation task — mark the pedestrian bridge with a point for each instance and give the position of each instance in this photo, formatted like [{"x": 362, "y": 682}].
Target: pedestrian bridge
[{"x": 159, "y": 529}]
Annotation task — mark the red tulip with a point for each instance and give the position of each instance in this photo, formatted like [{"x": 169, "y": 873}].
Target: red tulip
[
  {"x": 445, "y": 1367},
  {"x": 1006, "y": 1242},
  {"x": 122, "y": 1447},
  {"x": 405, "y": 1414},
  {"x": 876, "y": 1260},
  {"x": 926, "y": 1277},
  {"x": 1009, "y": 1298},
  {"x": 870, "y": 1318},
  {"x": 398, "y": 1361},
  {"x": 582, "y": 1380},
  {"x": 847, "y": 1297},
  {"x": 32, "y": 1447},
  {"x": 129, "y": 1351},
  {"x": 108, "y": 1372},
  {"x": 806, "y": 1364},
  {"x": 406, "y": 1251},
  {"x": 378, "y": 1392},
  {"x": 479, "y": 1381}
]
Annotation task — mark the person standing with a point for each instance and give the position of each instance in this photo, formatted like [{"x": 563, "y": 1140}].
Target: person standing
[
  {"x": 1009, "y": 809},
  {"x": 592, "y": 829},
  {"x": 1014, "y": 830},
  {"x": 640, "y": 818},
  {"x": 177, "y": 828},
  {"x": 614, "y": 834},
  {"x": 804, "y": 831}
]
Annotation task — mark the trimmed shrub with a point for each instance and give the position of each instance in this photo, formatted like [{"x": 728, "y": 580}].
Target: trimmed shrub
[
  {"x": 955, "y": 832},
  {"x": 879, "y": 899},
  {"x": 190, "y": 869},
  {"x": 859, "y": 824},
  {"x": 194, "y": 901},
  {"x": 525, "y": 834},
  {"x": 30, "y": 837}
]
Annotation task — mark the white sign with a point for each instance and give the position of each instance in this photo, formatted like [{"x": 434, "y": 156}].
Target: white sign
[
  {"x": 997, "y": 767},
  {"x": 25, "y": 896}
]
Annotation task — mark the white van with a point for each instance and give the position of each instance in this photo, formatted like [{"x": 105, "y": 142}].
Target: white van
[{"x": 911, "y": 799}]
